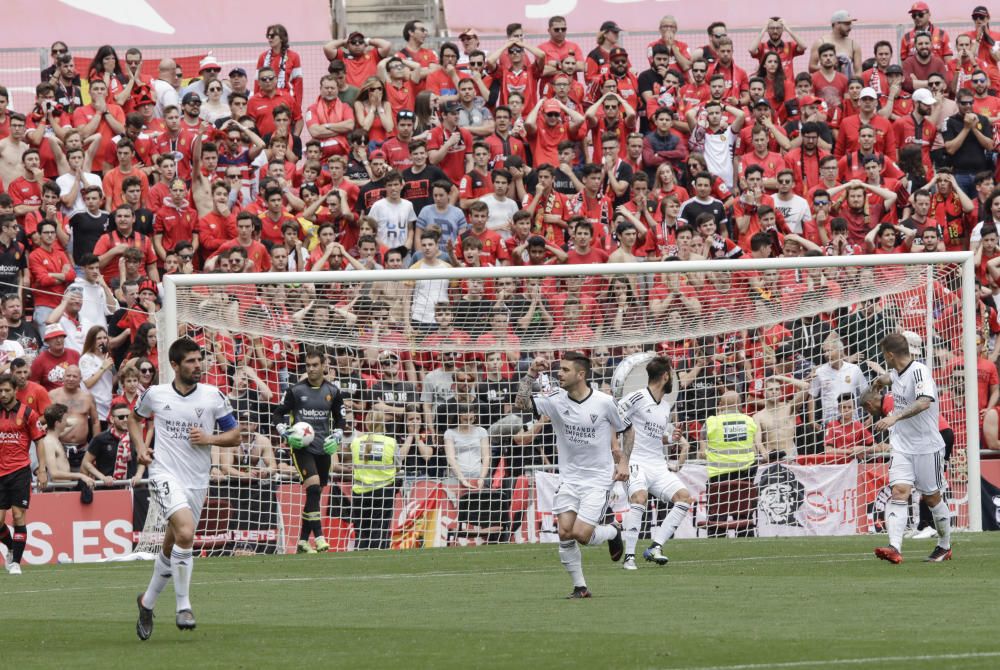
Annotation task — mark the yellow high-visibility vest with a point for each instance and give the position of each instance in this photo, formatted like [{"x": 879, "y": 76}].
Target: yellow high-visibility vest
[
  {"x": 730, "y": 443},
  {"x": 374, "y": 459}
]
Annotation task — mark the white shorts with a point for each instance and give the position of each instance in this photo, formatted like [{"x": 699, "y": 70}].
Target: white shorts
[
  {"x": 172, "y": 496},
  {"x": 656, "y": 479},
  {"x": 924, "y": 472},
  {"x": 588, "y": 502}
]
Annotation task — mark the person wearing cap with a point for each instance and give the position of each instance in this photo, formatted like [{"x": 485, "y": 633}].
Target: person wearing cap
[
  {"x": 397, "y": 147},
  {"x": 266, "y": 98},
  {"x": 328, "y": 119},
  {"x": 847, "y": 138},
  {"x": 470, "y": 43},
  {"x": 558, "y": 123},
  {"x": 848, "y": 52},
  {"x": 557, "y": 48},
  {"x": 596, "y": 65},
  {"x": 449, "y": 146},
  {"x": 49, "y": 366},
  {"x": 920, "y": 12},
  {"x": 968, "y": 140},
  {"x": 238, "y": 81},
  {"x": 897, "y": 102},
  {"x": 986, "y": 44},
  {"x": 921, "y": 63},
  {"x": 191, "y": 114},
  {"x": 361, "y": 55},
  {"x": 209, "y": 70},
  {"x": 775, "y": 28}
]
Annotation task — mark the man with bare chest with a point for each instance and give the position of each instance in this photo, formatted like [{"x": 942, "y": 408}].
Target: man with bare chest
[
  {"x": 777, "y": 419},
  {"x": 57, "y": 465},
  {"x": 81, "y": 415},
  {"x": 12, "y": 148}
]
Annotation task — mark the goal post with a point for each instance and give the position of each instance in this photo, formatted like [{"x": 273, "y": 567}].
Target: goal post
[{"x": 753, "y": 323}]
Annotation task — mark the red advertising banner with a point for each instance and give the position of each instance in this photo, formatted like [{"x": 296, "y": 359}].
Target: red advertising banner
[{"x": 60, "y": 529}]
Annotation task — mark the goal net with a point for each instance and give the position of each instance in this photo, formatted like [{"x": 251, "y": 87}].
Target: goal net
[{"x": 432, "y": 357}]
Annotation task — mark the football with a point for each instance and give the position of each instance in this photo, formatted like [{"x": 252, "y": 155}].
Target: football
[{"x": 300, "y": 435}]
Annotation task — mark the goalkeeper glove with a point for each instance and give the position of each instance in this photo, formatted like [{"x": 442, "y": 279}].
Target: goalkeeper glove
[
  {"x": 293, "y": 442},
  {"x": 332, "y": 442},
  {"x": 282, "y": 429}
]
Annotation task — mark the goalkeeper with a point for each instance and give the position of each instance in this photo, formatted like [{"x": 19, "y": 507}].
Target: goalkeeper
[{"x": 319, "y": 403}]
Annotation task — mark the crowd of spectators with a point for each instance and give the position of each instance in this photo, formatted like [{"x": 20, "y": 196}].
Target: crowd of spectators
[{"x": 529, "y": 154}]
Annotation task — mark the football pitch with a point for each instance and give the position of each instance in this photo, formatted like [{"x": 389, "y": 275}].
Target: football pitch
[{"x": 726, "y": 604}]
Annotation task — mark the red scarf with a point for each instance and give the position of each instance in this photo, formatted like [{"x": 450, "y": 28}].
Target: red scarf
[{"x": 123, "y": 456}]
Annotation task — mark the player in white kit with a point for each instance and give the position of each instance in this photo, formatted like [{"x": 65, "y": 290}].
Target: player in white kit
[
  {"x": 185, "y": 415},
  {"x": 917, "y": 448},
  {"x": 586, "y": 423},
  {"x": 647, "y": 420}
]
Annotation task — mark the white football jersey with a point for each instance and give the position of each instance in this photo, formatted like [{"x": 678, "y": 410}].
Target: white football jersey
[
  {"x": 174, "y": 415},
  {"x": 583, "y": 434},
  {"x": 650, "y": 421},
  {"x": 918, "y": 434}
]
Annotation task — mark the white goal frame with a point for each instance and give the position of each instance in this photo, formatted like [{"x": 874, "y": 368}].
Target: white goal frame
[{"x": 168, "y": 316}]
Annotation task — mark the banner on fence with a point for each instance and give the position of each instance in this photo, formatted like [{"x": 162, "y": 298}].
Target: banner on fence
[
  {"x": 61, "y": 529},
  {"x": 792, "y": 500}
]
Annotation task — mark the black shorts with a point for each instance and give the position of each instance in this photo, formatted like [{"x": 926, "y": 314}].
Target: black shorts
[
  {"x": 15, "y": 489},
  {"x": 309, "y": 464}
]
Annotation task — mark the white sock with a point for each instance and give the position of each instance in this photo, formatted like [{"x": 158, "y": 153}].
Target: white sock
[
  {"x": 896, "y": 516},
  {"x": 633, "y": 521},
  {"x": 602, "y": 534},
  {"x": 942, "y": 522},
  {"x": 666, "y": 530},
  {"x": 182, "y": 563},
  {"x": 572, "y": 560},
  {"x": 159, "y": 580}
]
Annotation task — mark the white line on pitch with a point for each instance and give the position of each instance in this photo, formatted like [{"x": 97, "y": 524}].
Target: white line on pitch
[{"x": 818, "y": 663}]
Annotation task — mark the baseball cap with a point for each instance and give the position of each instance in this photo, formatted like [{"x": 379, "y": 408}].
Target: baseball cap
[
  {"x": 405, "y": 114},
  {"x": 345, "y": 350},
  {"x": 981, "y": 10},
  {"x": 144, "y": 100},
  {"x": 356, "y": 33},
  {"x": 610, "y": 27},
  {"x": 190, "y": 96},
  {"x": 842, "y": 16},
  {"x": 617, "y": 51},
  {"x": 809, "y": 100},
  {"x": 375, "y": 155},
  {"x": 237, "y": 72},
  {"x": 560, "y": 77},
  {"x": 868, "y": 92},
  {"x": 468, "y": 32},
  {"x": 925, "y": 96},
  {"x": 762, "y": 102},
  {"x": 551, "y": 106},
  {"x": 894, "y": 69},
  {"x": 54, "y": 331},
  {"x": 919, "y": 7},
  {"x": 386, "y": 354},
  {"x": 209, "y": 62},
  {"x": 451, "y": 107}
]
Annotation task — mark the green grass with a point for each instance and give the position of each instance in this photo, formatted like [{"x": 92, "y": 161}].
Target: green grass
[{"x": 718, "y": 603}]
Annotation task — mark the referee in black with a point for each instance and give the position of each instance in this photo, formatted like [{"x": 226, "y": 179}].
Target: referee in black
[{"x": 320, "y": 404}]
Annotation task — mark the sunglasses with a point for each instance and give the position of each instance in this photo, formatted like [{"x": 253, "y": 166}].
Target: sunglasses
[
  {"x": 515, "y": 50},
  {"x": 477, "y": 63},
  {"x": 357, "y": 42},
  {"x": 270, "y": 35},
  {"x": 185, "y": 257},
  {"x": 267, "y": 78},
  {"x": 979, "y": 81},
  {"x": 59, "y": 52},
  {"x": 918, "y": 15},
  {"x": 391, "y": 361},
  {"x": 784, "y": 181},
  {"x": 619, "y": 62},
  {"x": 979, "y": 17},
  {"x": 559, "y": 30},
  {"x": 121, "y": 417},
  {"x": 146, "y": 370},
  {"x": 821, "y": 203}
]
